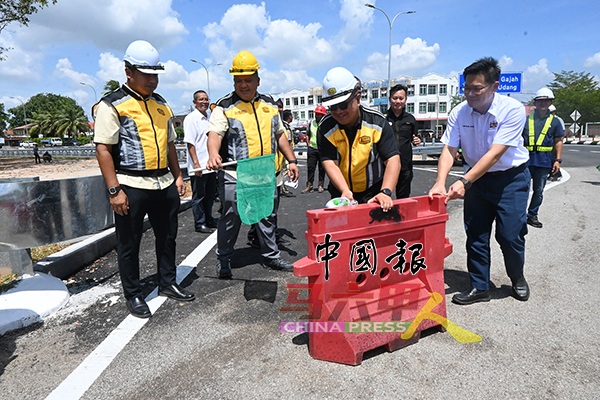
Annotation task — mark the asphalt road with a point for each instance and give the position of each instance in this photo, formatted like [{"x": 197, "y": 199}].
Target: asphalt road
[{"x": 227, "y": 343}]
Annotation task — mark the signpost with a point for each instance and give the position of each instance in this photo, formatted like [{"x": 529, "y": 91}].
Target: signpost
[
  {"x": 510, "y": 82},
  {"x": 575, "y": 127}
]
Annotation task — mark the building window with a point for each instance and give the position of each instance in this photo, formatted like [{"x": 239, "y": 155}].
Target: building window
[
  {"x": 410, "y": 107},
  {"x": 311, "y": 115},
  {"x": 310, "y": 100},
  {"x": 375, "y": 93},
  {"x": 295, "y": 114},
  {"x": 384, "y": 92},
  {"x": 422, "y": 90},
  {"x": 431, "y": 107},
  {"x": 383, "y": 109},
  {"x": 302, "y": 100},
  {"x": 319, "y": 99},
  {"x": 422, "y": 108},
  {"x": 411, "y": 90},
  {"x": 287, "y": 102},
  {"x": 443, "y": 90},
  {"x": 302, "y": 114},
  {"x": 443, "y": 107},
  {"x": 295, "y": 99},
  {"x": 431, "y": 89}
]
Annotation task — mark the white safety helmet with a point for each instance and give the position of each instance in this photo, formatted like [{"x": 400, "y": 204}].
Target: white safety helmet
[
  {"x": 143, "y": 56},
  {"x": 543, "y": 94},
  {"x": 339, "y": 84}
]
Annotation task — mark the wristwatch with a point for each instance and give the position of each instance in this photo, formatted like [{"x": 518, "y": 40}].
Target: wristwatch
[
  {"x": 466, "y": 183},
  {"x": 386, "y": 191},
  {"x": 557, "y": 159},
  {"x": 113, "y": 190}
]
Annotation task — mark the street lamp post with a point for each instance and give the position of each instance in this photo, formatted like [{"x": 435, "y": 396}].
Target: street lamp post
[
  {"x": 24, "y": 115},
  {"x": 207, "y": 77},
  {"x": 391, "y": 23},
  {"x": 95, "y": 96}
]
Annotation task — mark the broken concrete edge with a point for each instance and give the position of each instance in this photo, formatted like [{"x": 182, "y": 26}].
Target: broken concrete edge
[
  {"x": 32, "y": 300},
  {"x": 69, "y": 261}
]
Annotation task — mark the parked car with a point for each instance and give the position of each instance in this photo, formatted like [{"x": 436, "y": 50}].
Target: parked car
[
  {"x": 71, "y": 142},
  {"x": 51, "y": 142},
  {"x": 299, "y": 137},
  {"x": 27, "y": 143}
]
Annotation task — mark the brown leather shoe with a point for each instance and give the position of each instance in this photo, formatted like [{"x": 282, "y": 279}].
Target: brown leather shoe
[{"x": 308, "y": 189}]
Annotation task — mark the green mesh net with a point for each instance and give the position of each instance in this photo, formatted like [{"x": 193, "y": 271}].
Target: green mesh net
[{"x": 255, "y": 188}]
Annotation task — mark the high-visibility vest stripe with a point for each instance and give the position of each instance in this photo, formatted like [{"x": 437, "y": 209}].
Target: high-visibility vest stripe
[{"x": 538, "y": 145}]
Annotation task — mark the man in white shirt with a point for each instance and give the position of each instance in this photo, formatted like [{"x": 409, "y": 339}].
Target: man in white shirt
[
  {"x": 195, "y": 127},
  {"x": 488, "y": 127}
]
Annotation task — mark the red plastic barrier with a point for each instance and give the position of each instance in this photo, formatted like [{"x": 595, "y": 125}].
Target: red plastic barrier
[{"x": 366, "y": 265}]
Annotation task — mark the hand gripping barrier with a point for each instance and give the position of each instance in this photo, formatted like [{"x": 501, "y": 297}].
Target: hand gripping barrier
[{"x": 367, "y": 265}]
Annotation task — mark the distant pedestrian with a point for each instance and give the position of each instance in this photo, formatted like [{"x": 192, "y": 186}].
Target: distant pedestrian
[
  {"x": 488, "y": 127},
  {"x": 543, "y": 136},
  {"x": 204, "y": 186},
  {"x": 287, "y": 117},
  {"x": 313, "y": 159},
  {"x": 36, "y": 153}
]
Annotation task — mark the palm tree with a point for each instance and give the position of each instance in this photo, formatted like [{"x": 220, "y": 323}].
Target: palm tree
[
  {"x": 111, "y": 86},
  {"x": 43, "y": 124},
  {"x": 70, "y": 122}
]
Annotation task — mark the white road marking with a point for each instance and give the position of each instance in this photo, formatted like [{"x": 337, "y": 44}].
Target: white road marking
[{"x": 80, "y": 380}]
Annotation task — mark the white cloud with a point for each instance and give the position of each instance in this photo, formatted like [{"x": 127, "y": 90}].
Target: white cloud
[
  {"x": 249, "y": 27},
  {"x": 593, "y": 61},
  {"x": 64, "y": 69},
  {"x": 357, "y": 22},
  {"x": 19, "y": 65},
  {"x": 284, "y": 80},
  {"x": 411, "y": 58},
  {"x": 111, "y": 67},
  {"x": 537, "y": 76},
  {"x": 505, "y": 62},
  {"x": 109, "y": 24}
]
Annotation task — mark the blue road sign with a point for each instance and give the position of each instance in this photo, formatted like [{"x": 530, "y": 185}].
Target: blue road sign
[{"x": 509, "y": 82}]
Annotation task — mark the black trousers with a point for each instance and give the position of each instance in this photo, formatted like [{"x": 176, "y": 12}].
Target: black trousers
[
  {"x": 313, "y": 160},
  {"x": 162, "y": 207},
  {"x": 403, "y": 186},
  {"x": 204, "y": 189}
]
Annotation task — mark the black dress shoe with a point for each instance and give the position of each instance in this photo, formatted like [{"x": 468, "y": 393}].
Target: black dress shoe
[
  {"x": 471, "y": 296},
  {"x": 176, "y": 292},
  {"x": 223, "y": 269},
  {"x": 521, "y": 289},
  {"x": 279, "y": 264},
  {"x": 211, "y": 224},
  {"x": 205, "y": 229},
  {"x": 534, "y": 221},
  {"x": 138, "y": 307}
]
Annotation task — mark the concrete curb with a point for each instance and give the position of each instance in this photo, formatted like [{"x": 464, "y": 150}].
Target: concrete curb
[
  {"x": 32, "y": 300},
  {"x": 67, "y": 262}
]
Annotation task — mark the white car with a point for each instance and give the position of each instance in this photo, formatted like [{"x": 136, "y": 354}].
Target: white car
[{"x": 26, "y": 143}]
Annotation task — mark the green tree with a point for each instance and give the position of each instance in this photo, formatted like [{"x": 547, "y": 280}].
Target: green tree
[
  {"x": 18, "y": 11},
  {"x": 70, "y": 122},
  {"x": 576, "y": 91},
  {"x": 3, "y": 120},
  {"x": 111, "y": 86},
  {"x": 43, "y": 124},
  {"x": 40, "y": 104},
  {"x": 456, "y": 100}
]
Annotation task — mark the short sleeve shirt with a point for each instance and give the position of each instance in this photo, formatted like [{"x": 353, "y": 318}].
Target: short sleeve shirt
[{"x": 475, "y": 133}]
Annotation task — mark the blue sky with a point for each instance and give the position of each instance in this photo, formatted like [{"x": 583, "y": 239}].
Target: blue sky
[{"x": 295, "y": 41}]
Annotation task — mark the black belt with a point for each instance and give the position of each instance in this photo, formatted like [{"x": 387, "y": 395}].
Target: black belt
[{"x": 514, "y": 170}]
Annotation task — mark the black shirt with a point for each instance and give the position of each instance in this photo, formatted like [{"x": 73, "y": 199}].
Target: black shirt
[{"x": 404, "y": 127}]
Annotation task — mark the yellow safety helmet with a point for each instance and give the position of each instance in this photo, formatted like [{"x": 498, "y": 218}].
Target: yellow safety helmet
[{"x": 244, "y": 64}]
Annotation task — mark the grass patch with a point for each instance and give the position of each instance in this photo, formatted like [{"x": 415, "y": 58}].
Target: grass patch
[{"x": 39, "y": 253}]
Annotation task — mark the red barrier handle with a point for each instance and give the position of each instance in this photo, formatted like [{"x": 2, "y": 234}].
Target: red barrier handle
[{"x": 306, "y": 267}]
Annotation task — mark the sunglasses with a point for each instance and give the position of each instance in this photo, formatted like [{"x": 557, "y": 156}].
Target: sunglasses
[{"x": 342, "y": 106}]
